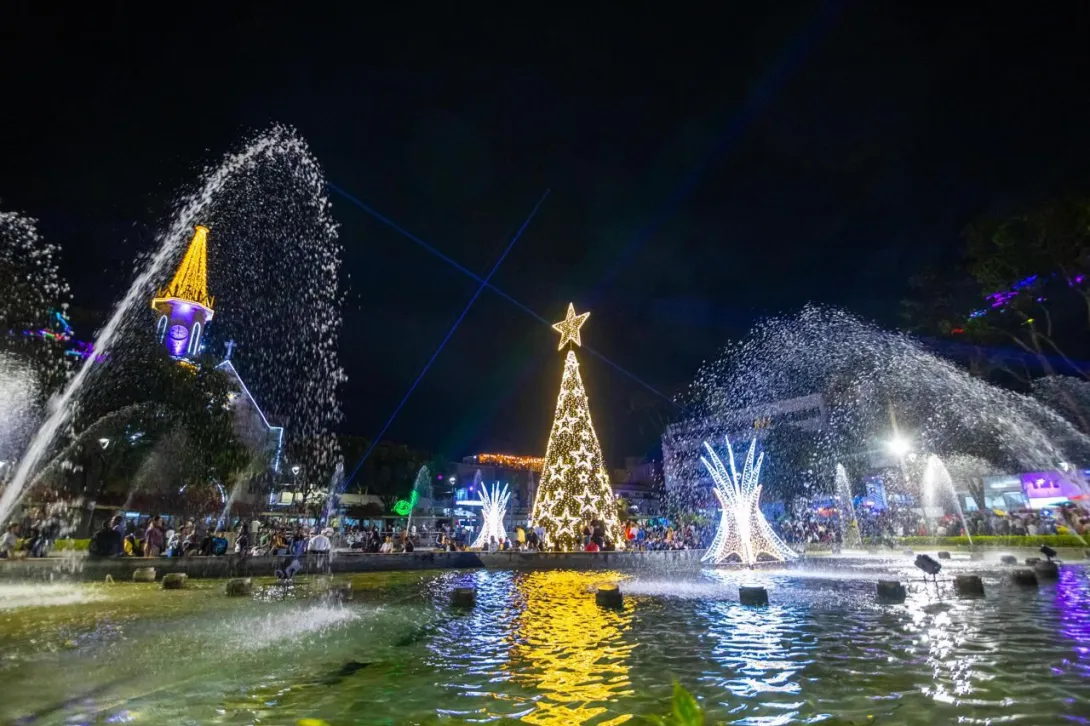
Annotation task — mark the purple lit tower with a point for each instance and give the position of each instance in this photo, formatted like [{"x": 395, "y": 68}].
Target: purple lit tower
[{"x": 184, "y": 306}]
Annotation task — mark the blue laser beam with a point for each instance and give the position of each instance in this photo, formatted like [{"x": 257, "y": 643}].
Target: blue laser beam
[
  {"x": 447, "y": 337},
  {"x": 485, "y": 283}
]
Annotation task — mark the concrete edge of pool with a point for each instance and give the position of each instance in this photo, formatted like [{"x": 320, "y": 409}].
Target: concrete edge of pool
[{"x": 121, "y": 569}]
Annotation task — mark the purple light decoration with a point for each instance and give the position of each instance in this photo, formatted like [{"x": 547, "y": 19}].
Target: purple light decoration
[
  {"x": 177, "y": 346},
  {"x": 1046, "y": 484}
]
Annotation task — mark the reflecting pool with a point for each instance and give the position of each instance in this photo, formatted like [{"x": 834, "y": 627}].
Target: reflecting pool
[{"x": 537, "y": 649}]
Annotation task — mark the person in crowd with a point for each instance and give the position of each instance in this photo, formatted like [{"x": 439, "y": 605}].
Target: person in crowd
[
  {"x": 242, "y": 541},
  {"x": 387, "y": 546},
  {"x": 591, "y": 546},
  {"x": 320, "y": 543},
  {"x": 107, "y": 542},
  {"x": 153, "y": 537},
  {"x": 9, "y": 541}
]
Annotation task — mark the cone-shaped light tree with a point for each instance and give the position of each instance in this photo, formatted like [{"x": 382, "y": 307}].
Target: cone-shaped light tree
[{"x": 574, "y": 490}]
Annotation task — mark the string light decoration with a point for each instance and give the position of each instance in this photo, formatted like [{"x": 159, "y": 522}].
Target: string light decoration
[
  {"x": 493, "y": 509},
  {"x": 184, "y": 306},
  {"x": 190, "y": 283},
  {"x": 744, "y": 535},
  {"x": 574, "y": 488},
  {"x": 509, "y": 461}
]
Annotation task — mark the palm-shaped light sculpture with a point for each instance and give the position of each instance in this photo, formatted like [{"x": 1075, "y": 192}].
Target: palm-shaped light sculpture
[
  {"x": 744, "y": 534},
  {"x": 493, "y": 509}
]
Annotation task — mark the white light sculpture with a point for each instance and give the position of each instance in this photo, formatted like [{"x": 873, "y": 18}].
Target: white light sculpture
[
  {"x": 493, "y": 509},
  {"x": 743, "y": 532}
]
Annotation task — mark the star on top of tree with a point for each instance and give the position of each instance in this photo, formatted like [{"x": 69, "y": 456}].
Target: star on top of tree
[{"x": 569, "y": 327}]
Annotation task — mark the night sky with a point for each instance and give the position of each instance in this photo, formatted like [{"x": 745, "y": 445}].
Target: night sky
[{"x": 705, "y": 170}]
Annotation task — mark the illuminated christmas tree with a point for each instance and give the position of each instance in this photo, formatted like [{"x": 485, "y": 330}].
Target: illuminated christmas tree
[{"x": 574, "y": 489}]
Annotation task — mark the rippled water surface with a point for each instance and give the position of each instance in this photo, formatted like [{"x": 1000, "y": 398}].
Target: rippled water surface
[{"x": 537, "y": 649}]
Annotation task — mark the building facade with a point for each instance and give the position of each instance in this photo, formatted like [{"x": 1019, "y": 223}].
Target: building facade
[{"x": 683, "y": 442}]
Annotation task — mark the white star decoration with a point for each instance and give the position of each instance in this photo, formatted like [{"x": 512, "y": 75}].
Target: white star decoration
[
  {"x": 566, "y": 424},
  {"x": 581, "y": 457},
  {"x": 560, "y": 470},
  {"x": 569, "y": 327}
]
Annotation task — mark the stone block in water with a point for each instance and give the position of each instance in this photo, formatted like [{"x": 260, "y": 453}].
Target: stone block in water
[
  {"x": 1025, "y": 578},
  {"x": 609, "y": 596},
  {"x": 969, "y": 586},
  {"x": 239, "y": 587},
  {"x": 463, "y": 597},
  {"x": 943, "y": 555},
  {"x": 1046, "y": 570},
  {"x": 1031, "y": 561},
  {"x": 174, "y": 580},
  {"x": 752, "y": 595},
  {"x": 143, "y": 574},
  {"x": 891, "y": 591},
  {"x": 1009, "y": 560}
]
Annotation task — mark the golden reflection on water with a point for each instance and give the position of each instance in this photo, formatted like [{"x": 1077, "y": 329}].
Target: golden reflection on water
[{"x": 575, "y": 652}]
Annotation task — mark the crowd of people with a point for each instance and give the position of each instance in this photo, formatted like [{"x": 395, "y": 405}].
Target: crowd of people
[
  {"x": 162, "y": 538},
  {"x": 826, "y": 526},
  {"x": 663, "y": 534},
  {"x": 35, "y": 532},
  {"x": 156, "y": 536}
]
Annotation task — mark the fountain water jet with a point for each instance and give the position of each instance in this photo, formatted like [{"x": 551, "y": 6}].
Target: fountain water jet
[
  {"x": 849, "y": 525},
  {"x": 279, "y": 142},
  {"x": 829, "y": 381},
  {"x": 936, "y": 477}
]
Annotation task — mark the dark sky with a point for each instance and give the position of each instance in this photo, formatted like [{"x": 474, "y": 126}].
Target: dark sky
[{"x": 706, "y": 169}]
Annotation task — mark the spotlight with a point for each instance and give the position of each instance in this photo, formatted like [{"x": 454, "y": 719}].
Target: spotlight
[
  {"x": 1048, "y": 552},
  {"x": 928, "y": 565}
]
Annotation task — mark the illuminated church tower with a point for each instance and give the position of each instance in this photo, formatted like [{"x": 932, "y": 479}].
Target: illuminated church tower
[{"x": 184, "y": 306}]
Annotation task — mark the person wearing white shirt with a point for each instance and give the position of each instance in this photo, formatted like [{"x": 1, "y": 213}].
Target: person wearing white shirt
[{"x": 319, "y": 543}]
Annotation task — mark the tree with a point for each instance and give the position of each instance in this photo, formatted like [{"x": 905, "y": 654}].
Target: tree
[
  {"x": 34, "y": 292},
  {"x": 151, "y": 427},
  {"x": 389, "y": 471},
  {"x": 574, "y": 487},
  {"x": 1024, "y": 283}
]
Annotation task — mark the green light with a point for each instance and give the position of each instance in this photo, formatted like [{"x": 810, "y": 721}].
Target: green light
[{"x": 402, "y": 508}]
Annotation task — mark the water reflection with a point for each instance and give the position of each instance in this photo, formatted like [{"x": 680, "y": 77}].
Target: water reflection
[
  {"x": 537, "y": 648},
  {"x": 571, "y": 653},
  {"x": 1074, "y": 609},
  {"x": 758, "y": 654}
]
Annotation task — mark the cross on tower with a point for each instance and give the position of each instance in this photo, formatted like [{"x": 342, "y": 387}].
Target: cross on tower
[{"x": 230, "y": 345}]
